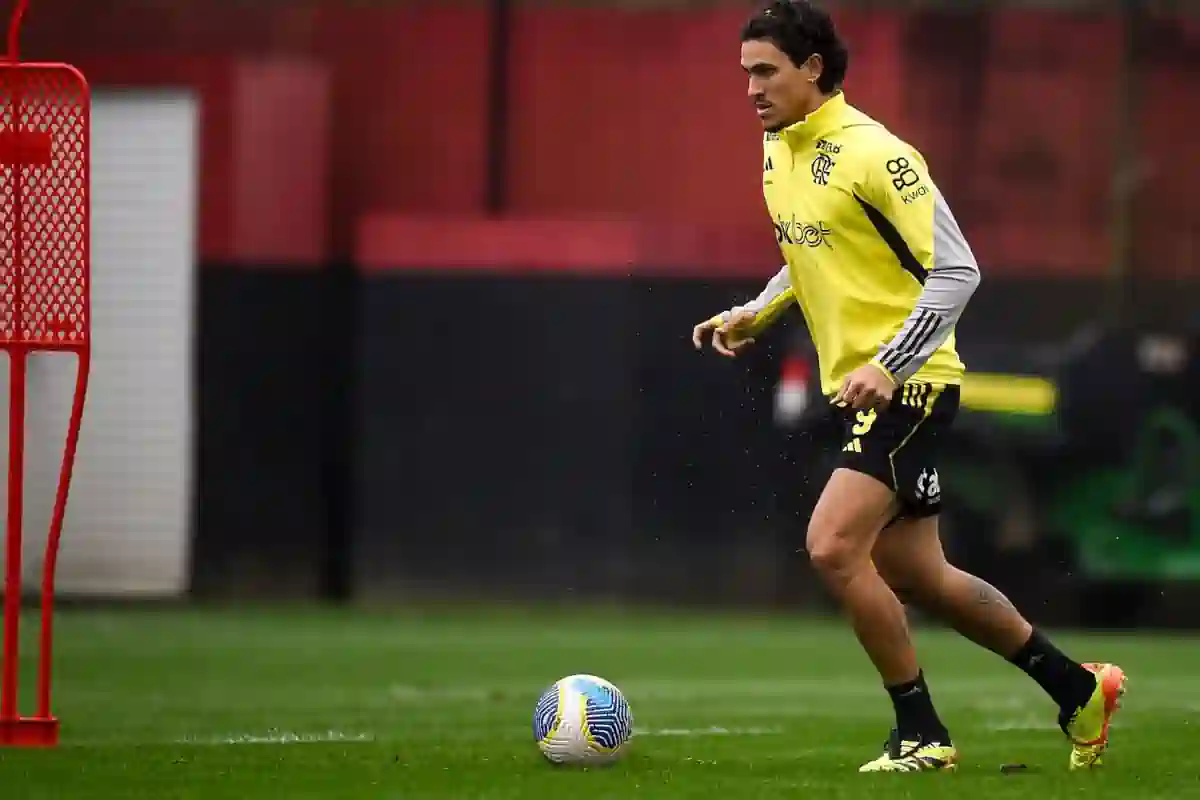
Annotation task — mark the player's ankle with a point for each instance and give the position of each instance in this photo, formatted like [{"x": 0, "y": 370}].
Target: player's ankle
[
  {"x": 1068, "y": 682},
  {"x": 927, "y": 733},
  {"x": 916, "y": 717}
]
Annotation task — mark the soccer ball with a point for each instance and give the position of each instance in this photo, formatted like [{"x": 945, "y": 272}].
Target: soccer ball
[{"x": 582, "y": 720}]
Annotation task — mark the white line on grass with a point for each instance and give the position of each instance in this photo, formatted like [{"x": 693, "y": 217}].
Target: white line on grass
[
  {"x": 1038, "y": 723},
  {"x": 417, "y": 694},
  {"x": 283, "y": 737},
  {"x": 1028, "y": 723},
  {"x": 711, "y": 731}
]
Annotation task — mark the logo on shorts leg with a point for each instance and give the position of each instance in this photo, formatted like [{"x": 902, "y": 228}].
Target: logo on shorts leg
[{"x": 928, "y": 487}]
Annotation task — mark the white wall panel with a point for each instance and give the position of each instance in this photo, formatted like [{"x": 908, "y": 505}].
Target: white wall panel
[{"x": 128, "y": 520}]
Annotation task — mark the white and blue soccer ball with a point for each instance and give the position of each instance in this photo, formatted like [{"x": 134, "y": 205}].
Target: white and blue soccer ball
[{"x": 582, "y": 720}]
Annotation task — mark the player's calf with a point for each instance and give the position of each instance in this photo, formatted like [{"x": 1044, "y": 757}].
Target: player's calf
[{"x": 970, "y": 605}]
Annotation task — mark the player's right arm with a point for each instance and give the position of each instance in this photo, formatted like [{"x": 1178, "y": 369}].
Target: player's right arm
[{"x": 735, "y": 328}]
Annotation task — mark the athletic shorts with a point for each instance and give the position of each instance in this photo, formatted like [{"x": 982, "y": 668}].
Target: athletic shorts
[{"x": 899, "y": 446}]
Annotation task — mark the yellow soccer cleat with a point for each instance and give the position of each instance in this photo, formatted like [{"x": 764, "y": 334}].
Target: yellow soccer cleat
[
  {"x": 913, "y": 756},
  {"x": 1087, "y": 726}
]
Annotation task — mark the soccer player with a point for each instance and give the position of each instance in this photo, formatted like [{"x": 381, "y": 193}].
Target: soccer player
[{"x": 881, "y": 272}]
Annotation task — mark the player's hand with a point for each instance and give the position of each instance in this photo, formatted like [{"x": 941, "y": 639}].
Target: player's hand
[
  {"x": 728, "y": 337},
  {"x": 866, "y": 387}
]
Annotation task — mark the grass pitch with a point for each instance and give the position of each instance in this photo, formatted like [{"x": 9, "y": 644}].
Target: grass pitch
[{"x": 333, "y": 704}]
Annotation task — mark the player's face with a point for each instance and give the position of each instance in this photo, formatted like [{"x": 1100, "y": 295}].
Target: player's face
[{"x": 782, "y": 93}]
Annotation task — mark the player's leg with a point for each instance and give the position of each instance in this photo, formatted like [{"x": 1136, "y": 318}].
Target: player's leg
[
  {"x": 910, "y": 557},
  {"x": 841, "y": 536},
  {"x": 841, "y": 533},
  {"x": 855, "y": 505}
]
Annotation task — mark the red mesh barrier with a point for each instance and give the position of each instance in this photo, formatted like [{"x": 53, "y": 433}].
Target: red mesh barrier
[
  {"x": 43, "y": 192},
  {"x": 44, "y": 305}
]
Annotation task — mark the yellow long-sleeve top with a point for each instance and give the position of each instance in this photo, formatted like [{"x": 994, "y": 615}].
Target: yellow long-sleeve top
[{"x": 874, "y": 256}]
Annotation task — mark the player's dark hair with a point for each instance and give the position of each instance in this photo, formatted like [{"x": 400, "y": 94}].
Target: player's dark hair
[{"x": 800, "y": 28}]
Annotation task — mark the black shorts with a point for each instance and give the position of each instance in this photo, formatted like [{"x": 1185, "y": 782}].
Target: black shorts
[{"x": 899, "y": 446}]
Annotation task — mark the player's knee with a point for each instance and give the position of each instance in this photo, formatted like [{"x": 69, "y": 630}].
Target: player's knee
[{"x": 833, "y": 554}]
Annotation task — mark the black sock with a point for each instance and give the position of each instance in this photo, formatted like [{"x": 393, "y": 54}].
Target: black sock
[
  {"x": 915, "y": 715},
  {"x": 1066, "y": 681}
]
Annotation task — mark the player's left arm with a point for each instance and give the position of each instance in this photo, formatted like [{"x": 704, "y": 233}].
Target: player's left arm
[{"x": 912, "y": 215}]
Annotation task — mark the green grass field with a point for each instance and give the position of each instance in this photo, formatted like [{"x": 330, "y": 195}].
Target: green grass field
[{"x": 331, "y": 704}]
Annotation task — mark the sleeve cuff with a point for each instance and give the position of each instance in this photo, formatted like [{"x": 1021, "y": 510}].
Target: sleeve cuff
[
  {"x": 725, "y": 316},
  {"x": 875, "y": 362}
]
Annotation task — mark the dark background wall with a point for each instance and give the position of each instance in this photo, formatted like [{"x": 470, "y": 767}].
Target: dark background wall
[{"x": 508, "y": 435}]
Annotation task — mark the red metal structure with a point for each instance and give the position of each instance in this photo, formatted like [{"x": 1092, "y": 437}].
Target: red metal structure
[{"x": 44, "y": 306}]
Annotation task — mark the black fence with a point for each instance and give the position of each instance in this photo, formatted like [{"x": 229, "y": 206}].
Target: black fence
[{"x": 539, "y": 437}]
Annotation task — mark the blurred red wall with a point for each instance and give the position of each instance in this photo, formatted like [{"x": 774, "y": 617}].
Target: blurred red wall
[{"x": 642, "y": 114}]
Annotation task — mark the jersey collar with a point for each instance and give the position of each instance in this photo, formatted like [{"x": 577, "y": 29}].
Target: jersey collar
[{"x": 820, "y": 122}]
